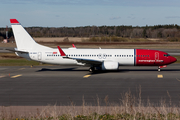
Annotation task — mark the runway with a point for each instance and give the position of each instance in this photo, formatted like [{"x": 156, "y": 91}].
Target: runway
[{"x": 62, "y": 85}]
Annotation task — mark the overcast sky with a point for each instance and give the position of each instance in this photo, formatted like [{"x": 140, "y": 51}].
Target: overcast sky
[{"x": 72, "y": 13}]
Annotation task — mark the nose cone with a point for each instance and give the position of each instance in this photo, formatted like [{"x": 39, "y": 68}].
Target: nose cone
[{"x": 173, "y": 59}]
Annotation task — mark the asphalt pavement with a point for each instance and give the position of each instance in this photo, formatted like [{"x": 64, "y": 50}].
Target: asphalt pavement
[{"x": 62, "y": 85}]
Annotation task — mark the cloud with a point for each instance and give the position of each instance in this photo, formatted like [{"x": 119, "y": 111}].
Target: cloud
[
  {"x": 115, "y": 18},
  {"x": 173, "y": 17}
]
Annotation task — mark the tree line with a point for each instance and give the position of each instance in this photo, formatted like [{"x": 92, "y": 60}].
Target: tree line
[{"x": 156, "y": 31}]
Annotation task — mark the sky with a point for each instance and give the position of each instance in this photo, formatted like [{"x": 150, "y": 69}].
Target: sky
[{"x": 75, "y": 13}]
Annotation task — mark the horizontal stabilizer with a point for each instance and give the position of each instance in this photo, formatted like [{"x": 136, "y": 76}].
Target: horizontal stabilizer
[{"x": 14, "y": 50}]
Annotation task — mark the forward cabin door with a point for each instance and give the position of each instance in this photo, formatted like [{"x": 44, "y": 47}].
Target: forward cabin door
[{"x": 156, "y": 57}]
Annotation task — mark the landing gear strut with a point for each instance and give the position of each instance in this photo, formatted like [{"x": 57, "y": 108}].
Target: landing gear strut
[{"x": 159, "y": 68}]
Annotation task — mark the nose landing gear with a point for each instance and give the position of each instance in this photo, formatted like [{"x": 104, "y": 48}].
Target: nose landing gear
[{"x": 159, "y": 68}]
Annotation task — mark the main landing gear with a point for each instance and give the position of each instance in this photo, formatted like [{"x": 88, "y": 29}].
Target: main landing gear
[
  {"x": 91, "y": 69},
  {"x": 94, "y": 69}
]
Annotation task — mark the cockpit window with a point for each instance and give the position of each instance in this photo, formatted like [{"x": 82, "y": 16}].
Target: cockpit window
[{"x": 166, "y": 55}]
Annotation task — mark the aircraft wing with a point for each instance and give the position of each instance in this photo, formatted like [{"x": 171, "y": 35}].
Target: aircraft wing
[
  {"x": 80, "y": 60},
  {"x": 87, "y": 61}
]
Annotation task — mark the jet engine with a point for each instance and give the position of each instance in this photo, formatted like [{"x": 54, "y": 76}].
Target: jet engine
[{"x": 110, "y": 65}]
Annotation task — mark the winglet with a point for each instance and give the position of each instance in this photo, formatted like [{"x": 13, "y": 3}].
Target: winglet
[
  {"x": 61, "y": 52},
  {"x": 14, "y": 21},
  {"x": 73, "y": 46}
]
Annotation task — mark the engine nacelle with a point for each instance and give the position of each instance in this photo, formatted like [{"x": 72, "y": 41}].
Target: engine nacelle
[{"x": 109, "y": 65}]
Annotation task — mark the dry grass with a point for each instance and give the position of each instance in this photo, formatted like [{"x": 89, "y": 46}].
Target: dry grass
[
  {"x": 104, "y": 43},
  {"x": 59, "y": 39},
  {"x": 128, "y": 108}
]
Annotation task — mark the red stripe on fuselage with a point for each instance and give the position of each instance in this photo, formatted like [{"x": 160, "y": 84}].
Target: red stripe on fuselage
[{"x": 151, "y": 58}]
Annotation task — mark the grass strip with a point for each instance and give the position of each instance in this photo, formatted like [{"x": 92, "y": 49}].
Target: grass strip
[{"x": 17, "y": 62}]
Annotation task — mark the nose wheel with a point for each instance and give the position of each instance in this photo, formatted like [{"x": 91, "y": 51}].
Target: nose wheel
[{"x": 159, "y": 68}]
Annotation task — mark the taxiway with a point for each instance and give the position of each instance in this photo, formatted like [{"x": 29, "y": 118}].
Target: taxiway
[{"x": 62, "y": 85}]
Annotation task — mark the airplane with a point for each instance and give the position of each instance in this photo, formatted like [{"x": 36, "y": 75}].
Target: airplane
[{"x": 103, "y": 59}]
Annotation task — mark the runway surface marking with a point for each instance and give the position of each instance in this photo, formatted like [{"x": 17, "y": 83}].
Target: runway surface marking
[
  {"x": 21, "y": 68},
  {"x": 16, "y": 76},
  {"x": 177, "y": 79},
  {"x": 86, "y": 76},
  {"x": 160, "y": 76},
  {"x": 2, "y": 76}
]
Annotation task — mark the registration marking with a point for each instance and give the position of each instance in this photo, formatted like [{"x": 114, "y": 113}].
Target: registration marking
[
  {"x": 160, "y": 76},
  {"x": 16, "y": 76},
  {"x": 86, "y": 76}
]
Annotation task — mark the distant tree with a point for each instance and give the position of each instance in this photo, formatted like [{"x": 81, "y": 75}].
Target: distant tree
[
  {"x": 144, "y": 34},
  {"x": 159, "y": 35}
]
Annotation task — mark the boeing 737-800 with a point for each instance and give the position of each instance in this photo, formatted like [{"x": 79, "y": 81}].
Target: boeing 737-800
[{"x": 105, "y": 59}]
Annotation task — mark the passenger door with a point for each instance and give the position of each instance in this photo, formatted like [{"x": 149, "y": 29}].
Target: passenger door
[
  {"x": 156, "y": 57},
  {"x": 39, "y": 55}
]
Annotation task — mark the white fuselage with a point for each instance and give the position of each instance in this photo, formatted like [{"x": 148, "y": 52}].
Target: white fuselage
[{"x": 52, "y": 56}]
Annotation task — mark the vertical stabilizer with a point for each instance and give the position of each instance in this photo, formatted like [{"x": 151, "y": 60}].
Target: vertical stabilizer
[{"x": 23, "y": 40}]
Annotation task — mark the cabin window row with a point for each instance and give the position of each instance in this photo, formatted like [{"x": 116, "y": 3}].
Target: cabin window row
[
  {"x": 84, "y": 55},
  {"x": 53, "y": 55},
  {"x": 142, "y": 55},
  {"x": 123, "y": 55},
  {"x": 89, "y": 55}
]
